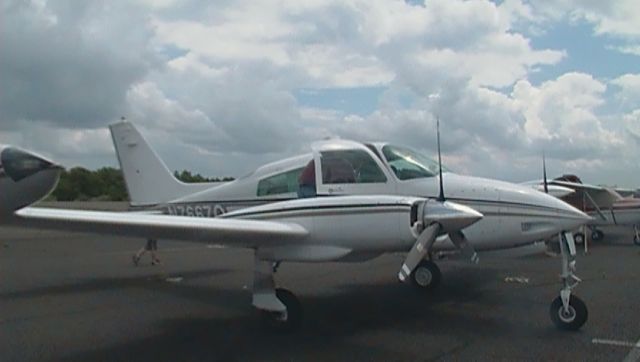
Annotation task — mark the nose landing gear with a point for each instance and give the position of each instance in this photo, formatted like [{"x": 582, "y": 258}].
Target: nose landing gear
[{"x": 567, "y": 311}]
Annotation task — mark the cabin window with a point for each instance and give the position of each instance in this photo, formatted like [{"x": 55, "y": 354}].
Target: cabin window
[
  {"x": 408, "y": 164},
  {"x": 350, "y": 166},
  {"x": 282, "y": 183}
]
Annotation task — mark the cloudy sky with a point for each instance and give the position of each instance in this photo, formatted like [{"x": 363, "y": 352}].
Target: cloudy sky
[{"x": 221, "y": 87}]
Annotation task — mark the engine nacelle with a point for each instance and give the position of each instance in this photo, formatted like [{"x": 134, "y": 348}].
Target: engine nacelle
[{"x": 24, "y": 179}]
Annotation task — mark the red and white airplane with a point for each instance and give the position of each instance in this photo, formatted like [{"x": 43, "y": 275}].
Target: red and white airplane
[{"x": 606, "y": 206}]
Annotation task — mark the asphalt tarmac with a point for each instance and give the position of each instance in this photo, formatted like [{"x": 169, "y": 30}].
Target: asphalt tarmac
[{"x": 78, "y": 297}]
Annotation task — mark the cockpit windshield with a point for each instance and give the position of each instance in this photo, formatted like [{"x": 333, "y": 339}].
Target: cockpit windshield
[{"x": 408, "y": 164}]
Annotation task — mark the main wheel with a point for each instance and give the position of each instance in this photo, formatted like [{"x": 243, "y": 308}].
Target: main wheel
[
  {"x": 571, "y": 319},
  {"x": 284, "y": 322},
  {"x": 636, "y": 240},
  {"x": 597, "y": 235},
  {"x": 578, "y": 238},
  {"x": 426, "y": 276}
]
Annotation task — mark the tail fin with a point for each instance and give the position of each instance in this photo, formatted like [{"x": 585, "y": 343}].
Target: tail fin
[{"x": 148, "y": 179}]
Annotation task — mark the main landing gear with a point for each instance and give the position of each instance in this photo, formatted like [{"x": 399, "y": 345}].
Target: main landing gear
[
  {"x": 426, "y": 276},
  {"x": 636, "y": 235},
  {"x": 567, "y": 311},
  {"x": 280, "y": 309},
  {"x": 597, "y": 234},
  {"x": 579, "y": 238}
]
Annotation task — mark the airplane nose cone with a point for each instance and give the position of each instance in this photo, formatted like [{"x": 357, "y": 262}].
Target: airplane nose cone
[
  {"x": 561, "y": 215},
  {"x": 537, "y": 214}
]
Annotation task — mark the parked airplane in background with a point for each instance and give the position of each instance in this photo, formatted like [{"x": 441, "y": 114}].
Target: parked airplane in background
[
  {"x": 605, "y": 205},
  {"x": 339, "y": 228}
]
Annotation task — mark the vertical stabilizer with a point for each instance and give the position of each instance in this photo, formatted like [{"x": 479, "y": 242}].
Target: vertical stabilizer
[{"x": 148, "y": 179}]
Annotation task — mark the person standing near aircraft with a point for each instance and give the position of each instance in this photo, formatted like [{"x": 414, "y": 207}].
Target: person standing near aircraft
[
  {"x": 307, "y": 181},
  {"x": 151, "y": 246}
]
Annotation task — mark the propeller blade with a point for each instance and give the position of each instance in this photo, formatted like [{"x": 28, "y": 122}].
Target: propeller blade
[
  {"x": 419, "y": 250},
  {"x": 441, "y": 217},
  {"x": 544, "y": 174},
  {"x": 460, "y": 241},
  {"x": 441, "y": 195}
]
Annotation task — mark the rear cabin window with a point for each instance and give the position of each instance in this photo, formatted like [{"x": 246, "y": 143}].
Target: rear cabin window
[
  {"x": 350, "y": 166},
  {"x": 282, "y": 183}
]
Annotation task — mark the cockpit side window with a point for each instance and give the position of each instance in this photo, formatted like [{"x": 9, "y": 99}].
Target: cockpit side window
[
  {"x": 350, "y": 166},
  {"x": 282, "y": 183},
  {"x": 408, "y": 164}
]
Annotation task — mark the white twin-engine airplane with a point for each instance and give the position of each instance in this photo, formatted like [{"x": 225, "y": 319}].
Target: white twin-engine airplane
[{"x": 400, "y": 208}]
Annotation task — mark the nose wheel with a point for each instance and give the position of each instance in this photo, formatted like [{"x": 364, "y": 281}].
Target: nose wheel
[{"x": 571, "y": 318}]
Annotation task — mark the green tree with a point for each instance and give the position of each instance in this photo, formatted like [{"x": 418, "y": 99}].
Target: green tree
[
  {"x": 106, "y": 184},
  {"x": 188, "y": 177}
]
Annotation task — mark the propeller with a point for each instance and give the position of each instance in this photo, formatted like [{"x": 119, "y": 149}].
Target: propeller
[
  {"x": 441, "y": 195},
  {"x": 544, "y": 174},
  {"x": 437, "y": 217}
]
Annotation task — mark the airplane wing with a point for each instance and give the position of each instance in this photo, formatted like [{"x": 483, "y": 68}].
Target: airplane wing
[
  {"x": 553, "y": 190},
  {"x": 576, "y": 185},
  {"x": 603, "y": 197},
  {"x": 239, "y": 233}
]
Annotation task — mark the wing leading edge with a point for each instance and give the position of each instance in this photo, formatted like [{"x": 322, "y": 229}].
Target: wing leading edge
[{"x": 238, "y": 233}]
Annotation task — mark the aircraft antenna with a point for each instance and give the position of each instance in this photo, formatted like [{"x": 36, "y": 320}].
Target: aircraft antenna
[
  {"x": 544, "y": 174},
  {"x": 441, "y": 195}
]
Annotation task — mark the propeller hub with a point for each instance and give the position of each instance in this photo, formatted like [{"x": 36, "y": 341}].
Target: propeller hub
[{"x": 450, "y": 215}]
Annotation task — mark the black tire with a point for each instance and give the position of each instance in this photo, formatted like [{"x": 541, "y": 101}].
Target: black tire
[
  {"x": 578, "y": 238},
  {"x": 636, "y": 240},
  {"x": 426, "y": 276},
  {"x": 274, "y": 320},
  {"x": 572, "y": 321},
  {"x": 597, "y": 235}
]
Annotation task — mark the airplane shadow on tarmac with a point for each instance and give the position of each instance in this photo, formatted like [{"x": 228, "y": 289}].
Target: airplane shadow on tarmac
[
  {"x": 100, "y": 284},
  {"x": 332, "y": 323}
]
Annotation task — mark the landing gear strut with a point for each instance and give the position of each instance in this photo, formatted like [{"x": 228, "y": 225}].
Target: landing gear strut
[
  {"x": 279, "y": 308},
  {"x": 567, "y": 311},
  {"x": 636, "y": 235}
]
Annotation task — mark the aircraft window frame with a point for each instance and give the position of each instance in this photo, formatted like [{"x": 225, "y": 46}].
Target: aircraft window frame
[
  {"x": 411, "y": 165},
  {"x": 281, "y": 183},
  {"x": 352, "y": 165}
]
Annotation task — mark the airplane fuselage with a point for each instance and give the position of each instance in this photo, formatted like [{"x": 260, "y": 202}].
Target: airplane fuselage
[
  {"x": 514, "y": 215},
  {"x": 625, "y": 212}
]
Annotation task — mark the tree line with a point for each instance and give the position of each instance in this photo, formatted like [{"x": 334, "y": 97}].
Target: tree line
[{"x": 107, "y": 184}]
